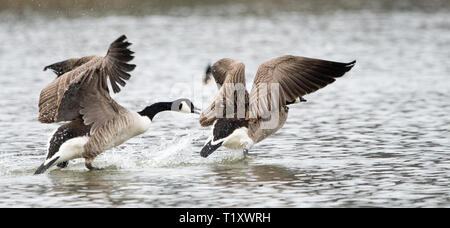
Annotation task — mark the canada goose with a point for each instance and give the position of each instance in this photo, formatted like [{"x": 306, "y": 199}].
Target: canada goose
[
  {"x": 241, "y": 119},
  {"x": 97, "y": 123}
]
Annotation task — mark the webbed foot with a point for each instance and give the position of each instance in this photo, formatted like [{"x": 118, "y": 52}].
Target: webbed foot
[
  {"x": 92, "y": 168},
  {"x": 63, "y": 164},
  {"x": 245, "y": 153}
]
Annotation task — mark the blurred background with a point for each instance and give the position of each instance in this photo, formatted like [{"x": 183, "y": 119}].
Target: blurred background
[
  {"x": 377, "y": 137},
  {"x": 213, "y": 7}
]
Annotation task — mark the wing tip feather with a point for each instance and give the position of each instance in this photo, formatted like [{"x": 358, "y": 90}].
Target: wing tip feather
[{"x": 118, "y": 56}]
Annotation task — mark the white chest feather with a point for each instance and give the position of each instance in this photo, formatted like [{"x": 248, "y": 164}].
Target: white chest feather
[
  {"x": 238, "y": 140},
  {"x": 71, "y": 149},
  {"x": 74, "y": 148},
  {"x": 138, "y": 125}
]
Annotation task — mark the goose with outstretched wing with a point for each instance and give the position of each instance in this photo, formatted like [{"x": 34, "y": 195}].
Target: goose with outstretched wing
[
  {"x": 241, "y": 119},
  {"x": 80, "y": 96}
]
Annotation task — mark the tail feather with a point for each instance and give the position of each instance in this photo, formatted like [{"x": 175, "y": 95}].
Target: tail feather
[{"x": 209, "y": 149}]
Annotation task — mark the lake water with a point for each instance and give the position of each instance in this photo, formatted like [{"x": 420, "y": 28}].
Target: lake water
[{"x": 378, "y": 137}]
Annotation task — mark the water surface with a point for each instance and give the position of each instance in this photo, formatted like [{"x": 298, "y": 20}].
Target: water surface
[{"x": 379, "y": 137}]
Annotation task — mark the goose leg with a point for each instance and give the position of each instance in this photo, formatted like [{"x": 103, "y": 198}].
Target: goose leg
[
  {"x": 92, "y": 168},
  {"x": 89, "y": 166},
  {"x": 63, "y": 164},
  {"x": 245, "y": 153}
]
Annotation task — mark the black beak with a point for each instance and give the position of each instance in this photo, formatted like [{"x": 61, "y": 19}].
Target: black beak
[
  {"x": 44, "y": 166},
  {"x": 302, "y": 99},
  {"x": 196, "y": 110}
]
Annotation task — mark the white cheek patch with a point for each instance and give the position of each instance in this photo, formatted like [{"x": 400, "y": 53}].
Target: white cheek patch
[{"x": 185, "y": 107}]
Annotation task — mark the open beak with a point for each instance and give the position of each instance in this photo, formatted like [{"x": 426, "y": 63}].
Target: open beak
[
  {"x": 197, "y": 110},
  {"x": 45, "y": 166}
]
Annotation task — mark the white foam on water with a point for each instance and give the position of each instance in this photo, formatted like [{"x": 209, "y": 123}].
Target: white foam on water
[
  {"x": 180, "y": 150},
  {"x": 116, "y": 159}
]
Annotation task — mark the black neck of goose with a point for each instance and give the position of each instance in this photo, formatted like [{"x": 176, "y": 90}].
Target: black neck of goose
[{"x": 152, "y": 110}]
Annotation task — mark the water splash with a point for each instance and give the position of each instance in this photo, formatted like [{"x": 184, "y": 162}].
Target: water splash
[{"x": 181, "y": 150}]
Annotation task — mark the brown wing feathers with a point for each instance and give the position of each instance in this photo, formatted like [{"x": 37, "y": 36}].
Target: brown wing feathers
[
  {"x": 299, "y": 76},
  {"x": 227, "y": 95},
  {"x": 60, "y": 100},
  {"x": 296, "y": 77},
  {"x": 115, "y": 63},
  {"x": 65, "y": 66},
  {"x": 95, "y": 104}
]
